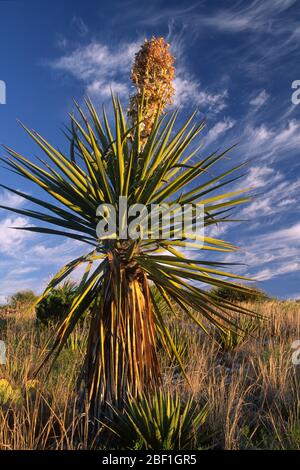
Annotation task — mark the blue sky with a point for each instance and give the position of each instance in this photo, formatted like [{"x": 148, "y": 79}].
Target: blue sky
[{"x": 235, "y": 63}]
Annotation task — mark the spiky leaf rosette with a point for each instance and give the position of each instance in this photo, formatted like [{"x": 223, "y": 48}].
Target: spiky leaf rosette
[
  {"x": 152, "y": 75},
  {"x": 125, "y": 319}
]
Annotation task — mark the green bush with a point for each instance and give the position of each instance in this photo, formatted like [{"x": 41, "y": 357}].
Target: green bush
[
  {"x": 257, "y": 295},
  {"x": 23, "y": 298},
  {"x": 55, "y": 306}
]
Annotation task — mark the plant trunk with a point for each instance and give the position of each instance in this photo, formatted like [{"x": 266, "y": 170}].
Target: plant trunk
[{"x": 121, "y": 355}]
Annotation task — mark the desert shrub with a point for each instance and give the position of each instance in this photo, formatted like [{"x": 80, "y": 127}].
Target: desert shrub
[
  {"x": 22, "y": 299},
  {"x": 257, "y": 295},
  {"x": 55, "y": 306}
]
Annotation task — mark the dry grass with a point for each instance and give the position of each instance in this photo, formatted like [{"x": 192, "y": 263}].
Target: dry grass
[{"x": 252, "y": 391}]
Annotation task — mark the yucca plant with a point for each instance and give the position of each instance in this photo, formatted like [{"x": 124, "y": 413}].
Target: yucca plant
[
  {"x": 108, "y": 161},
  {"x": 158, "y": 422},
  {"x": 231, "y": 339},
  {"x": 183, "y": 340}
]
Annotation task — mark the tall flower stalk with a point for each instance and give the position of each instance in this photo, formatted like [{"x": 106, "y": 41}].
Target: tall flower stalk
[{"x": 152, "y": 75}]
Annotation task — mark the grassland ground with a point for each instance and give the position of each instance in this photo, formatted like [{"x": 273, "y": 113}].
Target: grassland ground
[{"x": 250, "y": 384}]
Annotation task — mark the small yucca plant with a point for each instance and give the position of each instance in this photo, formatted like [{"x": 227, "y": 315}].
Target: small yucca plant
[
  {"x": 159, "y": 422},
  {"x": 229, "y": 340},
  {"x": 106, "y": 162}
]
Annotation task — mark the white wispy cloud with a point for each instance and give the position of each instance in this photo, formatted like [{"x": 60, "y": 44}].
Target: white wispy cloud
[
  {"x": 11, "y": 240},
  {"x": 274, "y": 199},
  {"x": 96, "y": 59},
  {"x": 276, "y": 192},
  {"x": 100, "y": 88},
  {"x": 260, "y": 99},
  {"x": 188, "y": 91},
  {"x": 20, "y": 271},
  {"x": 269, "y": 255},
  {"x": 267, "y": 30},
  {"x": 10, "y": 285},
  {"x": 271, "y": 142},
  {"x": 256, "y": 136},
  {"x": 269, "y": 273},
  {"x": 255, "y": 16},
  {"x": 99, "y": 66},
  {"x": 27, "y": 262},
  {"x": 291, "y": 234},
  {"x": 61, "y": 252},
  {"x": 261, "y": 176},
  {"x": 79, "y": 25},
  {"x": 218, "y": 130},
  {"x": 11, "y": 200}
]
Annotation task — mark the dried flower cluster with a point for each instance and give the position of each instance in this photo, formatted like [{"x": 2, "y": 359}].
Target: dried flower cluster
[{"x": 152, "y": 74}]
